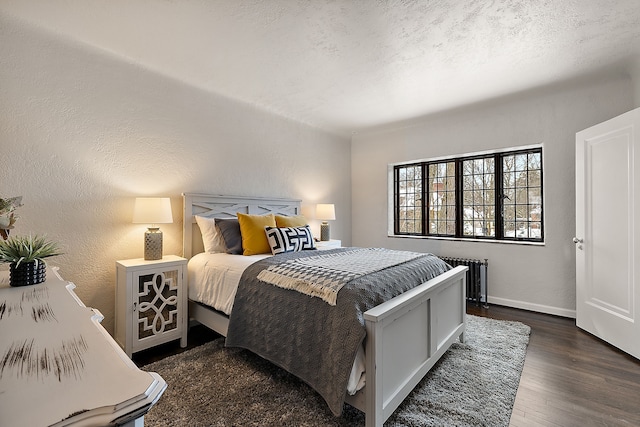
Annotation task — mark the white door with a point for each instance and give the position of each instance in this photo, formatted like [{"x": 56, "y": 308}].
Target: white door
[{"x": 608, "y": 231}]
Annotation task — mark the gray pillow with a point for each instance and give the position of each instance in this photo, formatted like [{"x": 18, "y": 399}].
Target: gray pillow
[{"x": 230, "y": 230}]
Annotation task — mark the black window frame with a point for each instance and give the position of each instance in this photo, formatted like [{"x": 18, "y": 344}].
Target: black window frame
[{"x": 499, "y": 197}]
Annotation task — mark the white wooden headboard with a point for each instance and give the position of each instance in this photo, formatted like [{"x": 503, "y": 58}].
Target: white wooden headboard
[{"x": 216, "y": 206}]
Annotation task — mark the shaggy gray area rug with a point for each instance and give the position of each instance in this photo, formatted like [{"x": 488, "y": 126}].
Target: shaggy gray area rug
[{"x": 474, "y": 384}]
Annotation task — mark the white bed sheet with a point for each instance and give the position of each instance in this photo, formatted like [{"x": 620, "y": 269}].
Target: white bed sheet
[
  {"x": 213, "y": 281},
  {"x": 214, "y": 278}
]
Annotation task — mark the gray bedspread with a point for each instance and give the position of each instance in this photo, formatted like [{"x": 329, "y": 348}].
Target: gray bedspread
[{"x": 306, "y": 336}]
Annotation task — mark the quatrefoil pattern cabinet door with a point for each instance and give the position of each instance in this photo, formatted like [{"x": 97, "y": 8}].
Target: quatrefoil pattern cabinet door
[
  {"x": 158, "y": 304},
  {"x": 154, "y": 303}
]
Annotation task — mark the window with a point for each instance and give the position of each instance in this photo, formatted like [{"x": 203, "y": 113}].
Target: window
[{"x": 489, "y": 196}]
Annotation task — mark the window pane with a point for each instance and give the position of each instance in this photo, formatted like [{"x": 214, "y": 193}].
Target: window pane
[
  {"x": 467, "y": 197},
  {"x": 509, "y": 229},
  {"x": 478, "y": 166},
  {"x": 490, "y": 197},
  {"x": 521, "y": 162},
  {"x": 509, "y": 213},
  {"x": 534, "y": 178},
  {"x": 521, "y": 229},
  {"x": 490, "y": 229},
  {"x": 451, "y": 227},
  {"x": 535, "y": 195},
  {"x": 535, "y": 230},
  {"x": 534, "y": 161},
  {"x": 509, "y": 180},
  {"x": 467, "y": 182}
]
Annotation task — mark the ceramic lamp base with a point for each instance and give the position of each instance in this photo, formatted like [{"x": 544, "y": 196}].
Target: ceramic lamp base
[
  {"x": 153, "y": 244},
  {"x": 325, "y": 232}
]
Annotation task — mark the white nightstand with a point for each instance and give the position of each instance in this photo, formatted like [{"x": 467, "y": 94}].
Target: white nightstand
[
  {"x": 328, "y": 244},
  {"x": 151, "y": 302}
]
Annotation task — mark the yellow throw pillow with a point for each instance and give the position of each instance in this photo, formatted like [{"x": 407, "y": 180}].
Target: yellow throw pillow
[
  {"x": 254, "y": 239},
  {"x": 291, "y": 221}
]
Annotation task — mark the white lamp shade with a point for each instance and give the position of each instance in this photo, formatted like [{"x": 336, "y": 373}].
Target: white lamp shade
[
  {"x": 325, "y": 211},
  {"x": 152, "y": 210}
]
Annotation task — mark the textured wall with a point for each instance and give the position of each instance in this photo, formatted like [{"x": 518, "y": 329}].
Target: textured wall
[
  {"x": 83, "y": 133},
  {"x": 540, "y": 278}
]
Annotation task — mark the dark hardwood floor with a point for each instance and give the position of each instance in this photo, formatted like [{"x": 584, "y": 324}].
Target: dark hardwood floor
[{"x": 570, "y": 378}]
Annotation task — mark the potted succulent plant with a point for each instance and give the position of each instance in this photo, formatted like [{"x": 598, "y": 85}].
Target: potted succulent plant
[{"x": 25, "y": 255}]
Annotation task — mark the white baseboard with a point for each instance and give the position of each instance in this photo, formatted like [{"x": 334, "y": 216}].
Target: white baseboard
[{"x": 556, "y": 311}]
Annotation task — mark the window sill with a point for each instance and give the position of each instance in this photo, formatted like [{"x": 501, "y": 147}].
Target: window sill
[{"x": 461, "y": 239}]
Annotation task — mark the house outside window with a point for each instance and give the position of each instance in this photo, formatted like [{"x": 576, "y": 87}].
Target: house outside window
[{"x": 490, "y": 196}]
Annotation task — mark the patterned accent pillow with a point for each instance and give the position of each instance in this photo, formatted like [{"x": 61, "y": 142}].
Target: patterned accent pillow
[{"x": 289, "y": 239}]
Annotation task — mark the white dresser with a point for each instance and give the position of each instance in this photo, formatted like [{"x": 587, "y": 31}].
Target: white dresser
[{"x": 60, "y": 367}]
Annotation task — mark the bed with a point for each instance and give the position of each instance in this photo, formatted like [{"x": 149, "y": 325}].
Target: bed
[{"x": 405, "y": 335}]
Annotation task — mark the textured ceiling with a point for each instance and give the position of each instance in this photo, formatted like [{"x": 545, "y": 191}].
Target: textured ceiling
[{"x": 349, "y": 65}]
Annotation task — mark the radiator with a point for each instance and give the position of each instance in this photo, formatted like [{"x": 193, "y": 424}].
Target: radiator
[{"x": 477, "y": 283}]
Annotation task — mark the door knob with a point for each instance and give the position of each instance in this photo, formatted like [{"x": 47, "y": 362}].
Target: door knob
[{"x": 578, "y": 242}]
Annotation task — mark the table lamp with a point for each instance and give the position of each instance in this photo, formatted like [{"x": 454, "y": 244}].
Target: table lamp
[
  {"x": 325, "y": 212},
  {"x": 152, "y": 210}
]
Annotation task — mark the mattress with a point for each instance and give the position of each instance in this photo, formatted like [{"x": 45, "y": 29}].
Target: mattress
[{"x": 213, "y": 281}]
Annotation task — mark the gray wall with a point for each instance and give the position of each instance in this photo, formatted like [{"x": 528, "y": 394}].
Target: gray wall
[
  {"x": 540, "y": 278},
  {"x": 635, "y": 78},
  {"x": 83, "y": 133}
]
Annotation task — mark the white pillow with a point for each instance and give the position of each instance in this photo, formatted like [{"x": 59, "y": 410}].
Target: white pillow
[{"x": 211, "y": 236}]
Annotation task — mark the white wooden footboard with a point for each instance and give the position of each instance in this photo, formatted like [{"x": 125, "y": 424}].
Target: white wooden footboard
[{"x": 406, "y": 336}]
